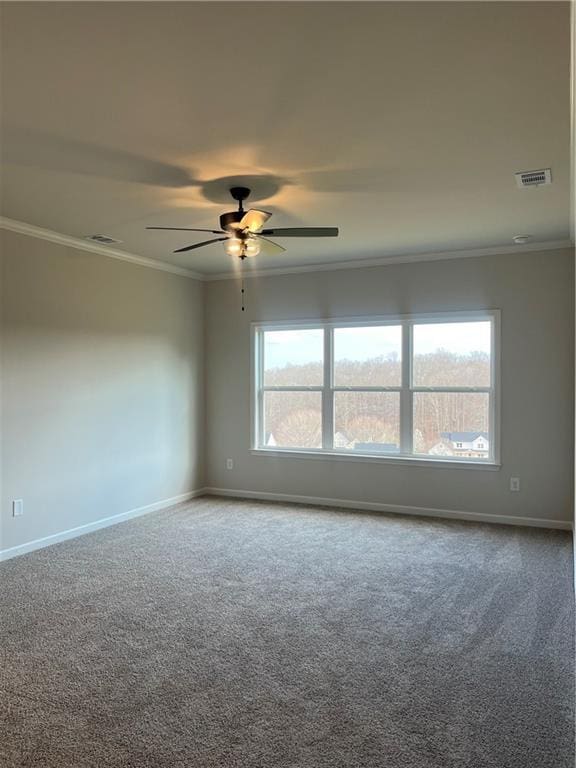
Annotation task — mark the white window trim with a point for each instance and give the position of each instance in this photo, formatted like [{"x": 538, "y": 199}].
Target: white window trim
[{"x": 406, "y": 392}]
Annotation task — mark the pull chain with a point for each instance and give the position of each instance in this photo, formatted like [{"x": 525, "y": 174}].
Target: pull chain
[{"x": 243, "y": 307}]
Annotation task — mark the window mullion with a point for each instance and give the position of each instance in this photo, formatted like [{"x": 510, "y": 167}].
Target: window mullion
[
  {"x": 327, "y": 395},
  {"x": 260, "y": 363},
  {"x": 454, "y": 390},
  {"x": 406, "y": 408},
  {"x": 280, "y": 388},
  {"x": 366, "y": 389}
]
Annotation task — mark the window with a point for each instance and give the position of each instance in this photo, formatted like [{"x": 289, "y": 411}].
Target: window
[{"x": 404, "y": 388}]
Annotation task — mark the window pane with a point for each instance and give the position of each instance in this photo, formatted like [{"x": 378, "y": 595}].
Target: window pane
[
  {"x": 452, "y": 424},
  {"x": 368, "y": 357},
  {"x": 452, "y": 354},
  {"x": 293, "y": 419},
  {"x": 293, "y": 358},
  {"x": 367, "y": 421}
]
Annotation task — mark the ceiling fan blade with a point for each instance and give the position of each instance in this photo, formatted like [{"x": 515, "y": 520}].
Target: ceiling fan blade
[
  {"x": 188, "y": 229},
  {"x": 269, "y": 248},
  {"x": 199, "y": 245},
  {"x": 253, "y": 220},
  {"x": 302, "y": 232}
]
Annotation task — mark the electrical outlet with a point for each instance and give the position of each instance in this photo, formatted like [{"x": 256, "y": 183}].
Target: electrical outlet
[
  {"x": 229, "y": 463},
  {"x": 514, "y": 483},
  {"x": 17, "y": 507}
]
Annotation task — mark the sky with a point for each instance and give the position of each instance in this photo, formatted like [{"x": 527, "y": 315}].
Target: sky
[{"x": 299, "y": 347}]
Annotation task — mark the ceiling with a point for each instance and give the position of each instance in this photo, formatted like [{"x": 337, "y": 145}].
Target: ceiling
[{"x": 401, "y": 123}]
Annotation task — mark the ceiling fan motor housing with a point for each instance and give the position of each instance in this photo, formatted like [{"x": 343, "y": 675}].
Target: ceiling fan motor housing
[{"x": 227, "y": 220}]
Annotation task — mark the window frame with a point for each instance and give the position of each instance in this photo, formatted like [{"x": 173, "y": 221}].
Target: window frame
[{"x": 406, "y": 390}]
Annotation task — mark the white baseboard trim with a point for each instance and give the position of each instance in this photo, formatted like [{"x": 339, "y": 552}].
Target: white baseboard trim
[
  {"x": 451, "y": 514},
  {"x": 71, "y": 533}
]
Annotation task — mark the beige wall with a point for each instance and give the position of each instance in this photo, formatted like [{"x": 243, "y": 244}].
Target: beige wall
[
  {"x": 101, "y": 387},
  {"x": 103, "y": 371},
  {"x": 535, "y": 293}
]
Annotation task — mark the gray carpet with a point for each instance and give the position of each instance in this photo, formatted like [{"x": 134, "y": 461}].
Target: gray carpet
[{"x": 249, "y": 635}]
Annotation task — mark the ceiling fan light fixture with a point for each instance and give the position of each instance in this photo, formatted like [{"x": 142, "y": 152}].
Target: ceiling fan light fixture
[
  {"x": 233, "y": 246},
  {"x": 252, "y": 247},
  {"x": 242, "y": 247}
]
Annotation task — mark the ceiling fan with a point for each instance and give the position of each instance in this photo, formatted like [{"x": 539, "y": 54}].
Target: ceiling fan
[{"x": 243, "y": 233}]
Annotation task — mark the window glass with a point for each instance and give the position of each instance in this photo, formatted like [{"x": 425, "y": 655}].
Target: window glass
[
  {"x": 452, "y": 424},
  {"x": 367, "y": 422},
  {"x": 293, "y": 419},
  {"x": 368, "y": 357},
  {"x": 452, "y": 354},
  {"x": 294, "y": 358}
]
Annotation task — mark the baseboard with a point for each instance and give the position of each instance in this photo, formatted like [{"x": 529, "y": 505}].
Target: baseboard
[
  {"x": 71, "y": 533},
  {"x": 451, "y": 514}
]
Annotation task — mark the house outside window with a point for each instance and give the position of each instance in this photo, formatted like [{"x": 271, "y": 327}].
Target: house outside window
[{"x": 412, "y": 388}]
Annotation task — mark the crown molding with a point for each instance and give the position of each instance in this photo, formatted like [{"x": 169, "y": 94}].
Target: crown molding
[
  {"x": 382, "y": 261},
  {"x": 85, "y": 245},
  {"x": 385, "y": 261}
]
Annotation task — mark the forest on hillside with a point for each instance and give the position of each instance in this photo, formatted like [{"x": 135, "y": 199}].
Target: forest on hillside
[{"x": 294, "y": 418}]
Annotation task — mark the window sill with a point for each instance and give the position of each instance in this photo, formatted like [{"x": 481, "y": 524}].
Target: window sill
[{"x": 370, "y": 458}]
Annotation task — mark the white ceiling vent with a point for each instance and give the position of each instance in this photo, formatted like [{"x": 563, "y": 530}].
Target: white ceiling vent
[
  {"x": 102, "y": 239},
  {"x": 533, "y": 178}
]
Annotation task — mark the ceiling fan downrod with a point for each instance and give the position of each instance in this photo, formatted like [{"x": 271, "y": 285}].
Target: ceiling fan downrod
[{"x": 240, "y": 194}]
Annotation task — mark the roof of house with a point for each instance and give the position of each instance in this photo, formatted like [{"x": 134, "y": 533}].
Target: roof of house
[
  {"x": 377, "y": 447},
  {"x": 463, "y": 437},
  {"x": 340, "y": 439}
]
